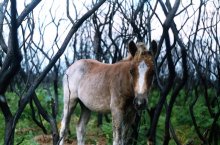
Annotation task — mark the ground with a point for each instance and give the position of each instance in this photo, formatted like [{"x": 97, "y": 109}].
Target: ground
[
  {"x": 33, "y": 135},
  {"x": 47, "y": 140}
]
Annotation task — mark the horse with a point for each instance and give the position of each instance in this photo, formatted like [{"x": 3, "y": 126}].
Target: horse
[{"x": 121, "y": 89}]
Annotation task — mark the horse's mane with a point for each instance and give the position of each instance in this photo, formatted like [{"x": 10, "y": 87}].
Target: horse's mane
[{"x": 141, "y": 48}]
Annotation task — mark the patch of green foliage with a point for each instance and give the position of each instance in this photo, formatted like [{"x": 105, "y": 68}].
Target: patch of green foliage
[
  {"x": 25, "y": 129},
  {"x": 181, "y": 120},
  {"x": 107, "y": 131}
]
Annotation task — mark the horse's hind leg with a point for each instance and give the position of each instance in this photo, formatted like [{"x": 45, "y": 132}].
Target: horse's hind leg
[
  {"x": 68, "y": 108},
  {"x": 81, "y": 126}
]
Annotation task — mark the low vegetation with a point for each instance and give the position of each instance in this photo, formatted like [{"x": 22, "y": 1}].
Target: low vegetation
[{"x": 27, "y": 132}]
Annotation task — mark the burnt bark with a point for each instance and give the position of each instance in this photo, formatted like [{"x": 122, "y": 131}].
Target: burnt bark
[
  {"x": 165, "y": 90},
  {"x": 13, "y": 63},
  {"x": 174, "y": 96},
  {"x": 193, "y": 117},
  {"x": 9, "y": 69}
]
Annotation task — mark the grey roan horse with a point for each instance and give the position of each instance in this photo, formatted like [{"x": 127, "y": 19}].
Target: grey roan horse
[{"x": 119, "y": 88}]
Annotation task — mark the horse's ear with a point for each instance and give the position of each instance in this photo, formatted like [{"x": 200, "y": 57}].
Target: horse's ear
[
  {"x": 154, "y": 47},
  {"x": 132, "y": 48}
]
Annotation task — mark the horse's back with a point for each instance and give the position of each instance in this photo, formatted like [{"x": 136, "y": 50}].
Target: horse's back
[
  {"x": 72, "y": 77},
  {"x": 88, "y": 81}
]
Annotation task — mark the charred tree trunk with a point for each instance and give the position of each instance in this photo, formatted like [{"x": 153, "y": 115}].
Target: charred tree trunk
[{"x": 9, "y": 69}]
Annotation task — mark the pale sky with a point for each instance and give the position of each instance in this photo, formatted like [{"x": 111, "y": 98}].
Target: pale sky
[{"x": 42, "y": 18}]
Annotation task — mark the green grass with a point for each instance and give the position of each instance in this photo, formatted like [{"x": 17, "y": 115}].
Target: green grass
[{"x": 26, "y": 129}]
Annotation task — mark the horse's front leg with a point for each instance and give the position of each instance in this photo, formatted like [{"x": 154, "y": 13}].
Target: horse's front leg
[{"x": 117, "y": 123}]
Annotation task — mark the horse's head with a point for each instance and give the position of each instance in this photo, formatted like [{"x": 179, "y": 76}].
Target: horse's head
[{"x": 142, "y": 71}]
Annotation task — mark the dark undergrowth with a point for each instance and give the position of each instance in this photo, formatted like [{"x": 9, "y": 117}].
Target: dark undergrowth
[{"x": 27, "y": 132}]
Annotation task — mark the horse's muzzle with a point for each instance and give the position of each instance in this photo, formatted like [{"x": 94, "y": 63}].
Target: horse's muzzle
[{"x": 140, "y": 103}]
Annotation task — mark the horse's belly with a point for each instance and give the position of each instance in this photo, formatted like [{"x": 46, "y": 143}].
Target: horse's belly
[
  {"x": 96, "y": 103},
  {"x": 95, "y": 99},
  {"x": 93, "y": 90}
]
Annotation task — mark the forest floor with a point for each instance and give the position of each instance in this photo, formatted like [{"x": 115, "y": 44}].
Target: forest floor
[
  {"x": 94, "y": 136},
  {"x": 33, "y": 135},
  {"x": 28, "y": 133},
  {"x": 47, "y": 140}
]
